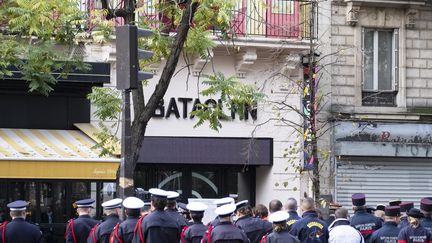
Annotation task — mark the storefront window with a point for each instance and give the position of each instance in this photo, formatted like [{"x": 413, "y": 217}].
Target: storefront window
[{"x": 204, "y": 184}]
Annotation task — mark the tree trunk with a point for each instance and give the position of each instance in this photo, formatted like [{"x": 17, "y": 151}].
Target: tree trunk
[{"x": 143, "y": 113}]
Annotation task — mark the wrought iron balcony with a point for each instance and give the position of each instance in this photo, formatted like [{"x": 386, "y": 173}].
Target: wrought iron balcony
[{"x": 284, "y": 19}]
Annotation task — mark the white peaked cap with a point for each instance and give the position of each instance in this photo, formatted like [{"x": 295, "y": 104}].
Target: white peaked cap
[
  {"x": 158, "y": 192},
  {"x": 223, "y": 201},
  {"x": 133, "y": 203},
  {"x": 226, "y": 209},
  {"x": 114, "y": 203},
  {"x": 172, "y": 194},
  {"x": 279, "y": 216},
  {"x": 196, "y": 207}
]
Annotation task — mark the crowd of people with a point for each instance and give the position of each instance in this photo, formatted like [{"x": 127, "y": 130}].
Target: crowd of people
[{"x": 163, "y": 220}]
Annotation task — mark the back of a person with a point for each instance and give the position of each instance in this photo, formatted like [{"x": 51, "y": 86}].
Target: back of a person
[
  {"x": 414, "y": 235},
  {"x": 227, "y": 233},
  {"x": 104, "y": 230},
  {"x": 161, "y": 227},
  {"x": 82, "y": 228},
  {"x": 195, "y": 233},
  {"x": 20, "y": 231},
  {"x": 254, "y": 228},
  {"x": 281, "y": 237},
  {"x": 365, "y": 223},
  {"x": 126, "y": 229},
  {"x": 344, "y": 234}
]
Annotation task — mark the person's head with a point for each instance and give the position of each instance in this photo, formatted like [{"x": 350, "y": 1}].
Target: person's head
[
  {"x": 158, "y": 198},
  {"x": 341, "y": 213},
  {"x": 224, "y": 212},
  {"x": 307, "y": 204},
  {"x": 146, "y": 208},
  {"x": 426, "y": 207},
  {"x": 260, "y": 211},
  {"x": 243, "y": 208},
  {"x": 414, "y": 216},
  {"x": 358, "y": 201},
  {"x": 113, "y": 211},
  {"x": 112, "y": 207},
  {"x": 18, "y": 214},
  {"x": 84, "y": 211},
  {"x": 196, "y": 210},
  {"x": 133, "y": 206},
  {"x": 172, "y": 199},
  {"x": 274, "y": 206},
  {"x": 379, "y": 214},
  {"x": 405, "y": 207},
  {"x": 291, "y": 205},
  {"x": 279, "y": 221}
]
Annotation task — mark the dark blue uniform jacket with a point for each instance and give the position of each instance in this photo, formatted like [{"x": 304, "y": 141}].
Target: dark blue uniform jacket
[
  {"x": 181, "y": 221},
  {"x": 365, "y": 223},
  {"x": 293, "y": 217},
  {"x": 403, "y": 223},
  {"x": 158, "y": 226},
  {"x": 427, "y": 224},
  {"x": 254, "y": 228},
  {"x": 388, "y": 233},
  {"x": 280, "y": 237},
  {"x": 310, "y": 229},
  {"x": 417, "y": 235},
  {"x": 103, "y": 231},
  {"x": 126, "y": 229},
  {"x": 194, "y": 233},
  {"x": 226, "y": 232},
  {"x": 20, "y": 231},
  {"x": 82, "y": 227}
]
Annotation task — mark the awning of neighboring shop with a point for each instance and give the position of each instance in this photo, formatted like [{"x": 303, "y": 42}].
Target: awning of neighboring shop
[
  {"x": 52, "y": 154},
  {"x": 207, "y": 151}
]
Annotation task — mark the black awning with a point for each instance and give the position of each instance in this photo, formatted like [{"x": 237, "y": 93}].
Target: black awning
[
  {"x": 208, "y": 151},
  {"x": 99, "y": 73}
]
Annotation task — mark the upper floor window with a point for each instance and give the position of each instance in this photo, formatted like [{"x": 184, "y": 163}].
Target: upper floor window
[{"x": 380, "y": 67}]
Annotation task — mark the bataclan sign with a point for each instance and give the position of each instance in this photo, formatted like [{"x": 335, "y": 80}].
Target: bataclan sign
[{"x": 187, "y": 105}]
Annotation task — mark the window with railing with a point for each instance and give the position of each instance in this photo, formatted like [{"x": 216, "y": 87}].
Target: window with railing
[{"x": 288, "y": 19}]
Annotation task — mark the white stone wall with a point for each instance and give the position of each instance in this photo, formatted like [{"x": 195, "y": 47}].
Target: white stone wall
[{"x": 280, "y": 181}]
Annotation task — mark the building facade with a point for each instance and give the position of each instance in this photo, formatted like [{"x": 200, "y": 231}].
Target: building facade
[{"x": 379, "y": 76}]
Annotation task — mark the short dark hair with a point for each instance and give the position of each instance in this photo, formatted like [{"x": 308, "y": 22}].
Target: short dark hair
[
  {"x": 341, "y": 213},
  {"x": 246, "y": 210},
  {"x": 260, "y": 211},
  {"x": 159, "y": 203},
  {"x": 197, "y": 217},
  {"x": 275, "y": 205},
  {"x": 171, "y": 204},
  {"x": 133, "y": 212}
]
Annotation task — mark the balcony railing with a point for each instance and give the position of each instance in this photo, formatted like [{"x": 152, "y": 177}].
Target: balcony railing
[{"x": 286, "y": 19}]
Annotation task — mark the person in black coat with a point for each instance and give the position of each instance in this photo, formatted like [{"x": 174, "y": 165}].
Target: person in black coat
[
  {"x": 158, "y": 226},
  {"x": 78, "y": 230},
  {"x": 363, "y": 221},
  {"x": 389, "y": 232},
  {"x": 196, "y": 231},
  {"x": 124, "y": 232},
  {"x": 310, "y": 228},
  {"x": 225, "y": 231},
  {"x": 101, "y": 233},
  {"x": 19, "y": 230},
  {"x": 414, "y": 232},
  {"x": 171, "y": 209},
  {"x": 280, "y": 229},
  {"x": 404, "y": 208},
  {"x": 254, "y": 228},
  {"x": 426, "y": 209},
  {"x": 220, "y": 202},
  {"x": 291, "y": 207}
]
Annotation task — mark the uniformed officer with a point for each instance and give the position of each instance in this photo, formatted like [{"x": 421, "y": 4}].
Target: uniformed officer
[
  {"x": 18, "y": 230},
  {"x": 78, "y": 230},
  {"x": 310, "y": 228},
  {"x": 171, "y": 209},
  {"x": 426, "y": 209},
  {"x": 124, "y": 231},
  {"x": 196, "y": 231},
  {"x": 225, "y": 231},
  {"x": 158, "y": 226},
  {"x": 389, "y": 232},
  {"x": 414, "y": 232},
  {"x": 333, "y": 206},
  {"x": 220, "y": 202},
  {"x": 254, "y": 228},
  {"x": 395, "y": 202},
  {"x": 280, "y": 229},
  {"x": 404, "y": 208},
  {"x": 361, "y": 220},
  {"x": 291, "y": 207},
  {"x": 101, "y": 233},
  {"x": 185, "y": 212},
  {"x": 146, "y": 209}
]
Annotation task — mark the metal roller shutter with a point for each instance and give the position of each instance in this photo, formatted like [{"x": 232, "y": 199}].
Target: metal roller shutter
[{"x": 383, "y": 181}]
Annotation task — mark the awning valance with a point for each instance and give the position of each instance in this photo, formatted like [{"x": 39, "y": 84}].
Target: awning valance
[{"x": 52, "y": 154}]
